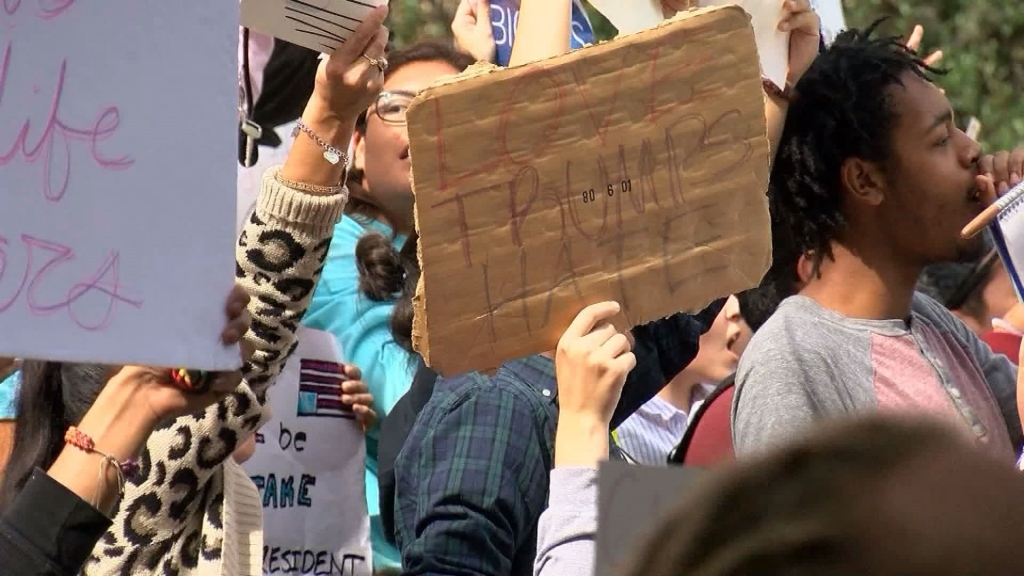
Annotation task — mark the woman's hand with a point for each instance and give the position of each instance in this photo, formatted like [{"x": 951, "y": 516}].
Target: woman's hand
[
  {"x": 356, "y": 394},
  {"x": 163, "y": 398},
  {"x": 804, "y": 27},
  {"x": 591, "y": 364},
  {"x": 346, "y": 81},
  {"x": 472, "y": 30},
  {"x": 672, "y": 7}
]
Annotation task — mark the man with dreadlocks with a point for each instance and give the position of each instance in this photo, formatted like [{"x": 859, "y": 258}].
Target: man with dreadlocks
[{"x": 874, "y": 181}]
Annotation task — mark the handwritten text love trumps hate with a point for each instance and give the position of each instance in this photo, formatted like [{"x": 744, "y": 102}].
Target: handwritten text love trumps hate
[
  {"x": 633, "y": 171},
  {"x": 40, "y": 270}
]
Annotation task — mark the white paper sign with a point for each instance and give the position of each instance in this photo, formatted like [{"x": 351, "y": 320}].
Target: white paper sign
[
  {"x": 832, "y": 20},
  {"x": 118, "y": 145},
  {"x": 320, "y": 25},
  {"x": 772, "y": 45},
  {"x": 309, "y": 467}
]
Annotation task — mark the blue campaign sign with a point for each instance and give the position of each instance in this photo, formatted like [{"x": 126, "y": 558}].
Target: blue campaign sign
[{"x": 505, "y": 17}]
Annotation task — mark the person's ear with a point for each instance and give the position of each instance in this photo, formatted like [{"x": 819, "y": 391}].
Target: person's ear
[
  {"x": 864, "y": 180},
  {"x": 358, "y": 151}
]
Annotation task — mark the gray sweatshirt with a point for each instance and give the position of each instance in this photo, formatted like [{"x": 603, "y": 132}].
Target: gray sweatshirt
[{"x": 808, "y": 363}]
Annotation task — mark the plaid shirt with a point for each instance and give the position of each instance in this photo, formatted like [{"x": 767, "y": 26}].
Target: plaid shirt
[{"x": 472, "y": 476}]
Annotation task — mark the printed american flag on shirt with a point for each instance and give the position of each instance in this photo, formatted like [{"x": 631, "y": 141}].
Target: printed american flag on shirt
[{"x": 320, "y": 390}]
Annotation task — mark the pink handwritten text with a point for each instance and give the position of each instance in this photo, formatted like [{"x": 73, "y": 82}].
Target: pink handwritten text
[
  {"x": 35, "y": 279},
  {"x": 44, "y": 9},
  {"x": 57, "y": 135}
]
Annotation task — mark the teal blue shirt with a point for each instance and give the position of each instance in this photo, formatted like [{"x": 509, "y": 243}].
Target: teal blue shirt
[
  {"x": 8, "y": 393},
  {"x": 362, "y": 329}
]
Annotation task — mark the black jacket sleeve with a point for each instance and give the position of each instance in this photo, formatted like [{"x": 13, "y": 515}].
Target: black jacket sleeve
[
  {"x": 48, "y": 530},
  {"x": 662, "y": 348}
]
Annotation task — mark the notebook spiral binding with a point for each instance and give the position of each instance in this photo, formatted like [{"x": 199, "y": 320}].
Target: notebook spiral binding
[{"x": 1013, "y": 199}]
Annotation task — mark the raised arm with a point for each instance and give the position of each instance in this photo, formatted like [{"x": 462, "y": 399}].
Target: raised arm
[{"x": 280, "y": 254}]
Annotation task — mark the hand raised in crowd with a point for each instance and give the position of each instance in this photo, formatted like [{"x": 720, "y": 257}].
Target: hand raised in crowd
[
  {"x": 672, "y": 7},
  {"x": 350, "y": 79},
  {"x": 804, "y": 27},
  {"x": 1003, "y": 169},
  {"x": 591, "y": 364},
  {"x": 356, "y": 394},
  {"x": 471, "y": 28},
  {"x": 154, "y": 388},
  {"x": 914, "y": 42}
]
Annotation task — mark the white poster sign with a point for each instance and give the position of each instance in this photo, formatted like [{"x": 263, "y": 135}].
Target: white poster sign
[
  {"x": 320, "y": 25},
  {"x": 832, "y": 20},
  {"x": 118, "y": 140},
  {"x": 309, "y": 467}
]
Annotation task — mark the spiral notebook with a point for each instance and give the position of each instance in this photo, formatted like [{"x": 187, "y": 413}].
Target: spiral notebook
[{"x": 1008, "y": 235}]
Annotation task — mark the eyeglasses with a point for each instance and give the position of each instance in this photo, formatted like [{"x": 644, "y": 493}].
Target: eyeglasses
[{"x": 392, "y": 106}]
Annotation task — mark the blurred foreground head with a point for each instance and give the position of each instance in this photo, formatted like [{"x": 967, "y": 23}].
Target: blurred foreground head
[{"x": 879, "y": 496}]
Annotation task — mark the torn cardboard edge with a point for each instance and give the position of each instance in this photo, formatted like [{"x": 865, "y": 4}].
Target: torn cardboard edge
[{"x": 421, "y": 333}]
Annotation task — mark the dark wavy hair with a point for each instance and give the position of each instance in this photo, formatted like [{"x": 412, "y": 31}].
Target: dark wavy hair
[
  {"x": 386, "y": 274},
  {"x": 842, "y": 109},
  {"x": 51, "y": 397}
]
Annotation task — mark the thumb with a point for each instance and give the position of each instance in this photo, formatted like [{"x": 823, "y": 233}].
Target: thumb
[
  {"x": 986, "y": 188},
  {"x": 465, "y": 9},
  {"x": 483, "y": 12}
]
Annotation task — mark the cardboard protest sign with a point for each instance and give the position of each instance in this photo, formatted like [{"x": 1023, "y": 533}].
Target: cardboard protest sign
[
  {"x": 320, "y": 25},
  {"x": 634, "y": 170},
  {"x": 505, "y": 20},
  {"x": 118, "y": 146},
  {"x": 633, "y": 501},
  {"x": 309, "y": 467}
]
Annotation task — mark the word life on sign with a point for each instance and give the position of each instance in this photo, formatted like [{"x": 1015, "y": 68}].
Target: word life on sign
[
  {"x": 117, "y": 161},
  {"x": 320, "y": 25},
  {"x": 633, "y": 502},
  {"x": 309, "y": 467},
  {"x": 634, "y": 171}
]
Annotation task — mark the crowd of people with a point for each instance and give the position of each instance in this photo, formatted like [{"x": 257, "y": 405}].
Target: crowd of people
[{"x": 858, "y": 408}]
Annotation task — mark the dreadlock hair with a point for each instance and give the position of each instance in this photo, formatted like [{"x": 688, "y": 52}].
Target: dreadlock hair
[
  {"x": 793, "y": 511},
  {"x": 842, "y": 109}
]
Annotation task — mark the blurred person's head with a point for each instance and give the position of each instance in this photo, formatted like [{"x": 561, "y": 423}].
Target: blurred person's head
[
  {"x": 976, "y": 291},
  {"x": 878, "y": 496},
  {"x": 51, "y": 397},
  {"x": 382, "y": 134},
  {"x": 871, "y": 160},
  {"x": 720, "y": 348}
]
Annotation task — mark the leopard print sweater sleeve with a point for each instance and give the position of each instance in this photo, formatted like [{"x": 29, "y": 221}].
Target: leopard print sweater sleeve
[{"x": 171, "y": 518}]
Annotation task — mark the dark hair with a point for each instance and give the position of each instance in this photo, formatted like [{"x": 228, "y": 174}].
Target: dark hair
[
  {"x": 385, "y": 273},
  {"x": 758, "y": 304},
  {"x": 430, "y": 51},
  {"x": 51, "y": 397},
  {"x": 842, "y": 108},
  {"x": 792, "y": 511}
]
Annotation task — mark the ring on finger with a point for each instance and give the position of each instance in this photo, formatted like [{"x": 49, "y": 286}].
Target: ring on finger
[{"x": 380, "y": 63}]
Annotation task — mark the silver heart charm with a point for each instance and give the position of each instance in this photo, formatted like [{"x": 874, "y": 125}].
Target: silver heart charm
[{"x": 332, "y": 157}]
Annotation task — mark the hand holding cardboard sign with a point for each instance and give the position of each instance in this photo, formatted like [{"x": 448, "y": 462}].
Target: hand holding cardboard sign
[
  {"x": 348, "y": 81},
  {"x": 591, "y": 364}
]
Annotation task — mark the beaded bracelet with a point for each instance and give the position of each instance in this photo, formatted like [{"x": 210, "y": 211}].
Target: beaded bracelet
[
  {"x": 197, "y": 381},
  {"x": 124, "y": 470}
]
